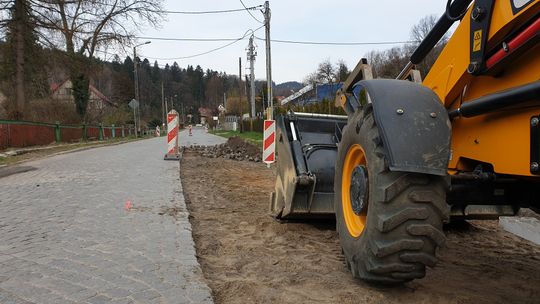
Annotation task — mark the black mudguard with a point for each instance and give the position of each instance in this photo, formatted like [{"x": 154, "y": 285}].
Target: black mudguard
[{"x": 413, "y": 123}]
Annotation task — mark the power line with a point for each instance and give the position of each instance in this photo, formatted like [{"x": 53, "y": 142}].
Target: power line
[
  {"x": 185, "y": 12},
  {"x": 247, "y": 10},
  {"x": 339, "y": 43},
  {"x": 212, "y": 50},
  {"x": 279, "y": 41},
  {"x": 189, "y": 12},
  {"x": 214, "y": 12},
  {"x": 186, "y": 39}
]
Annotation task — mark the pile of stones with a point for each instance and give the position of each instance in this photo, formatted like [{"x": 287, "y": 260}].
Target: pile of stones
[{"x": 235, "y": 148}]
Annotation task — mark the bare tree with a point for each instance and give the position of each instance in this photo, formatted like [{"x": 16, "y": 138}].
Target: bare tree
[
  {"x": 5, "y": 15},
  {"x": 84, "y": 27},
  {"x": 311, "y": 79},
  {"x": 388, "y": 63},
  {"x": 329, "y": 74},
  {"x": 326, "y": 72},
  {"x": 418, "y": 32},
  {"x": 376, "y": 60}
]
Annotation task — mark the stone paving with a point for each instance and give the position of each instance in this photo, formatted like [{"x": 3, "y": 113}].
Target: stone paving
[
  {"x": 199, "y": 137},
  {"x": 65, "y": 236}
]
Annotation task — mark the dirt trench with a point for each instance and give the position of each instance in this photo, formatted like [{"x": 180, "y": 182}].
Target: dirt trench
[{"x": 247, "y": 257}]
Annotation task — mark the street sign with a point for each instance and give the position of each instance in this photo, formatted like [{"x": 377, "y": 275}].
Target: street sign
[{"x": 133, "y": 104}]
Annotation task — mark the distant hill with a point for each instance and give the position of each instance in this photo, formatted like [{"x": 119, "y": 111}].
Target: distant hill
[{"x": 286, "y": 87}]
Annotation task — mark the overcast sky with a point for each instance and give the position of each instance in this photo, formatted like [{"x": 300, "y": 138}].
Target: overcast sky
[{"x": 337, "y": 21}]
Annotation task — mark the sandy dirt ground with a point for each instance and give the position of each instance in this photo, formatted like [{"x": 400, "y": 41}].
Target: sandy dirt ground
[{"x": 247, "y": 257}]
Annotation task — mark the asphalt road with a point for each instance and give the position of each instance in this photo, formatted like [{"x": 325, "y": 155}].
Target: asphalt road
[{"x": 66, "y": 236}]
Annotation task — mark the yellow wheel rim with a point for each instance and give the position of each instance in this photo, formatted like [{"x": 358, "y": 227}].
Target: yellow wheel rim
[{"x": 355, "y": 223}]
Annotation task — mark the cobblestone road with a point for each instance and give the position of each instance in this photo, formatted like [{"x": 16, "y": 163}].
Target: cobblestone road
[
  {"x": 199, "y": 137},
  {"x": 65, "y": 236}
]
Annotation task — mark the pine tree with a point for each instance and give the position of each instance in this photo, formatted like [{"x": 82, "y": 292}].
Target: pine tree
[
  {"x": 80, "y": 93},
  {"x": 156, "y": 73}
]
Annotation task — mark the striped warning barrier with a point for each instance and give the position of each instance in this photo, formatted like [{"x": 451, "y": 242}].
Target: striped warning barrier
[
  {"x": 172, "y": 136},
  {"x": 269, "y": 143}
]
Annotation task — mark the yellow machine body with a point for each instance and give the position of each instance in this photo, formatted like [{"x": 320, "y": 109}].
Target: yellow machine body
[
  {"x": 502, "y": 138},
  {"x": 408, "y": 157}
]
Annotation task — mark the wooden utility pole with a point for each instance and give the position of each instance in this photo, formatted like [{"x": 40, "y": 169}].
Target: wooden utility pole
[
  {"x": 163, "y": 102},
  {"x": 240, "y": 94},
  {"x": 166, "y": 107},
  {"x": 251, "y": 57},
  {"x": 136, "y": 79},
  {"x": 267, "y": 13}
]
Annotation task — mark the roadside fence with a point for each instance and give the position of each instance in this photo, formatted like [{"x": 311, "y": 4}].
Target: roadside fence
[{"x": 20, "y": 134}]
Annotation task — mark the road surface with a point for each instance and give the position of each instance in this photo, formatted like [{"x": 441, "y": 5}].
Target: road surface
[
  {"x": 199, "y": 137},
  {"x": 66, "y": 236}
]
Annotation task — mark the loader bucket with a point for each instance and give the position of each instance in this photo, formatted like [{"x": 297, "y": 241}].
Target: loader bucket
[{"x": 306, "y": 149}]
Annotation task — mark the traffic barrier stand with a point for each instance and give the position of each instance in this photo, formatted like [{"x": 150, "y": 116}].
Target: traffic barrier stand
[
  {"x": 158, "y": 131},
  {"x": 206, "y": 129},
  {"x": 190, "y": 127},
  {"x": 269, "y": 142},
  {"x": 173, "y": 153}
]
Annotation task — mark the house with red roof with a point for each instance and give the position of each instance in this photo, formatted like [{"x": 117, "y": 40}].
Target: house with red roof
[{"x": 98, "y": 103}]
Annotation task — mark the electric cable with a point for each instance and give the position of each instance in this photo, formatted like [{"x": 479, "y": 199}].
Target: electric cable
[
  {"x": 339, "y": 43},
  {"x": 212, "y": 50},
  {"x": 252, "y": 16},
  {"x": 186, "y": 39},
  {"x": 277, "y": 40},
  {"x": 214, "y": 12}
]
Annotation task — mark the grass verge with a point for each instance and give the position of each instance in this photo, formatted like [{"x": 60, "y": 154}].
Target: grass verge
[{"x": 255, "y": 138}]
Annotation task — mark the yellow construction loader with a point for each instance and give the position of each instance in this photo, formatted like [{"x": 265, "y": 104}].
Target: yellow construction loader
[{"x": 410, "y": 155}]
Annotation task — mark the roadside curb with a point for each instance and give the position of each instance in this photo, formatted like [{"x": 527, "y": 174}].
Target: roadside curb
[
  {"x": 179, "y": 196},
  {"x": 93, "y": 146}
]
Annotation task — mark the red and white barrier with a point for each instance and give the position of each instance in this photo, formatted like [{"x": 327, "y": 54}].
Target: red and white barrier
[
  {"x": 158, "y": 131},
  {"x": 190, "y": 128},
  {"x": 269, "y": 143},
  {"x": 172, "y": 136}
]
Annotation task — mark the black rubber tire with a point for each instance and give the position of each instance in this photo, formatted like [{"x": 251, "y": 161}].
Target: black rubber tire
[{"x": 405, "y": 212}]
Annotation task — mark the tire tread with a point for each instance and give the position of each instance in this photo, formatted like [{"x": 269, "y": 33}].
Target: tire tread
[{"x": 408, "y": 229}]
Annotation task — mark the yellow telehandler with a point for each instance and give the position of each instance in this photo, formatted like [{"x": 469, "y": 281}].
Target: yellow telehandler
[{"x": 410, "y": 155}]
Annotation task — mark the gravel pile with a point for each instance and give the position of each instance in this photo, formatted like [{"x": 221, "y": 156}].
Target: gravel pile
[{"x": 235, "y": 148}]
